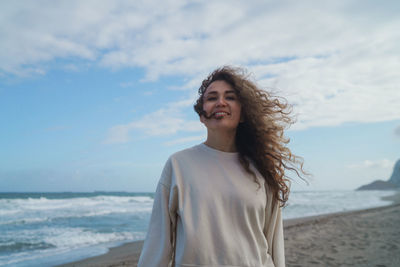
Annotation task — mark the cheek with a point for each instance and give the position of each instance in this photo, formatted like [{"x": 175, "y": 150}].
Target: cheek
[{"x": 206, "y": 107}]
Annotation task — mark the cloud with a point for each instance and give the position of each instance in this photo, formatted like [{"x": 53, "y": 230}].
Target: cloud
[
  {"x": 165, "y": 121},
  {"x": 336, "y": 61},
  {"x": 118, "y": 134},
  {"x": 330, "y": 91},
  {"x": 373, "y": 164}
]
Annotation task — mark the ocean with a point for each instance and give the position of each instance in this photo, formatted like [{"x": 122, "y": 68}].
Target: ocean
[{"x": 46, "y": 229}]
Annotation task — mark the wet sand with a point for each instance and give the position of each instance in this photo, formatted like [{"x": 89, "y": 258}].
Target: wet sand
[
  {"x": 364, "y": 238},
  {"x": 368, "y": 237}
]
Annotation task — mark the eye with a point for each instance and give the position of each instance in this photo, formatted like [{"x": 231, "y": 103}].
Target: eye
[
  {"x": 211, "y": 98},
  {"x": 231, "y": 97}
]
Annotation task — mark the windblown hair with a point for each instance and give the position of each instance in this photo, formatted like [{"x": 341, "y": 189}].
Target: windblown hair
[{"x": 260, "y": 137}]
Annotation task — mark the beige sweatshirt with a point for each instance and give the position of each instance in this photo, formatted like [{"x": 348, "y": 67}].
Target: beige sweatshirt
[{"x": 208, "y": 211}]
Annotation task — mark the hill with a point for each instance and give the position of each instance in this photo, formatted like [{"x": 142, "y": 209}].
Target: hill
[
  {"x": 392, "y": 183},
  {"x": 395, "y": 178}
]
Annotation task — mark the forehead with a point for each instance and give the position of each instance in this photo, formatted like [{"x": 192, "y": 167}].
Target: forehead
[{"x": 219, "y": 87}]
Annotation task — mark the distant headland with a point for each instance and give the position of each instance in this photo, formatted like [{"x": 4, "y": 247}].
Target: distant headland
[{"x": 392, "y": 183}]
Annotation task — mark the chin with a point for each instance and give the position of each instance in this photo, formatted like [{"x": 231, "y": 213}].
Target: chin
[{"x": 223, "y": 127}]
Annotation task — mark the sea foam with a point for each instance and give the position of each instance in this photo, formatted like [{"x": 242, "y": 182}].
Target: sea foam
[{"x": 46, "y": 229}]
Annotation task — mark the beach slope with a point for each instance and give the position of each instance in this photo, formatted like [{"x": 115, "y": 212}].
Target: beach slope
[
  {"x": 362, "y": 238},
  {"x": 368, "y": 237}
]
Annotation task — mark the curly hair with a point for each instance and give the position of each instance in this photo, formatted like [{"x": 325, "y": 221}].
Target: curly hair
[{"x": 260, "y": 137}]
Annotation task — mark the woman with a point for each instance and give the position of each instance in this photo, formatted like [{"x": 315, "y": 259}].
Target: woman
[{"x": 219, "y": 203}]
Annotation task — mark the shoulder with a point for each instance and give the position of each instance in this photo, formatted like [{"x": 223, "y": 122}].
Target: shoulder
[
  {"x": 188, "y": 153},
  {"x": 180, "y": 160}
]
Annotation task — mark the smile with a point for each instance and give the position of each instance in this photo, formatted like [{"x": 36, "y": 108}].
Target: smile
[{"x": 220, "y": 114}]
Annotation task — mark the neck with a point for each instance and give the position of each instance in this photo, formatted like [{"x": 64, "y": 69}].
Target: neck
[{"x": 223, "y": 141}]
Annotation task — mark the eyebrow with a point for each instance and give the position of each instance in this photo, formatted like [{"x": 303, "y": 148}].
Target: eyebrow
[{"x": 215, "y": 93}]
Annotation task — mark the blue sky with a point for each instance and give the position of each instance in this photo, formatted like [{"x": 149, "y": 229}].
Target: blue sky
[{"x": 95, "y": 95}]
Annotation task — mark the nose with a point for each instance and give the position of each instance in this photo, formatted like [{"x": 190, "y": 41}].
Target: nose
[{"x": 221, "y": 102}]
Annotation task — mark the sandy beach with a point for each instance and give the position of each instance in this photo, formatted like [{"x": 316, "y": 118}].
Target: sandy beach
[{"x": 368, "y": 237}]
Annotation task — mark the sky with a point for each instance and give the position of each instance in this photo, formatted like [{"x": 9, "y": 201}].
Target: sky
[{"x": 95, "y": 95}]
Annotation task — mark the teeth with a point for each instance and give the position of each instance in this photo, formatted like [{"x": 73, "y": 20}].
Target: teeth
[{"x": 220, "y": 113}]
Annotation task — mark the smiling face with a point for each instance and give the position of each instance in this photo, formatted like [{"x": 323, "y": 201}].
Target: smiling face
[{"x": 221, "y": 106}]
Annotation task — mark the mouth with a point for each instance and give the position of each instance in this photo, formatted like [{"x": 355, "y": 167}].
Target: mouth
[{"x": 220, "y": 114}]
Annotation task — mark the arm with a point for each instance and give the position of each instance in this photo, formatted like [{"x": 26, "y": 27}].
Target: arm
[
  {"x": 273, "y": 230},
  {"x": 158, "y": 247}
]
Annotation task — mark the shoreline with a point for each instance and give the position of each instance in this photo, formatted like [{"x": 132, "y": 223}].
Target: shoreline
[{"x": 302, "y": 236}]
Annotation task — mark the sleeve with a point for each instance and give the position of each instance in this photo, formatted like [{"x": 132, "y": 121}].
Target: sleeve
[
  {"x": 158, "y": 248},
  {"x": 273, "y": 230}
]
